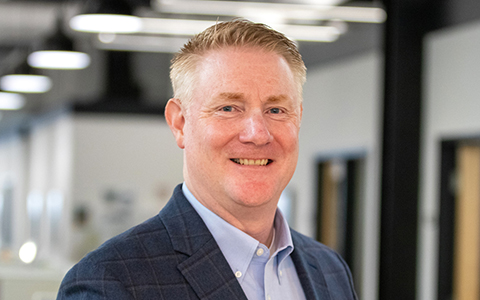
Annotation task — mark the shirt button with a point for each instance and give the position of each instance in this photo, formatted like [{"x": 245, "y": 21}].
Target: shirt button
[
  {"x": 260, "y": 251},
  {"x": 269, "y": 298},
  {"x": 238, "y": 274},
  {"x": 280, "y": 273}
]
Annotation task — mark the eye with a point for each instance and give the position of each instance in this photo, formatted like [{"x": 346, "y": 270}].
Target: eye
[
  {"x": 275, "y": 110},
  {"x": 227, "y": 108}
]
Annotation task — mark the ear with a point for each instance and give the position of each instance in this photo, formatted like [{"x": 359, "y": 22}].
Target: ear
[{"x": 174, "y": 115}]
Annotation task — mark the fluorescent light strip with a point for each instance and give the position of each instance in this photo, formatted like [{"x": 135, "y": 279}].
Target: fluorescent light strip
[
  {"x": 321, "y": 2},
  {"x": 25, "y": 83},
  {"x": 65, "y": 60},
  {"x": 190, "y": 27},
  {"x": 309, "y": 33},
  {"x": 230, "y": 8},
  {"x": 148, "y": 43},
  {"x": 355, "y": 14},
  {"x": 11, "y": 101},
  {"x": 140, "y": 43},
  {"x": 106, "y": 23},
  {"x": 160, "y": 44},
  {"x": 325, "y": 11},
  {"x": 174, "y": 26}
]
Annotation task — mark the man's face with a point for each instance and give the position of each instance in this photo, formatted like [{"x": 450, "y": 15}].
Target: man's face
[{"x": 240, "y": 132}]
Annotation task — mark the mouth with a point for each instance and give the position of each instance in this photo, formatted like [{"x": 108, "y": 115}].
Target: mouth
[{"x": 252, "y": 162}]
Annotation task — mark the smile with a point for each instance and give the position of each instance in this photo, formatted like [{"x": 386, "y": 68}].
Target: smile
[{"x": 251, "y": 162}]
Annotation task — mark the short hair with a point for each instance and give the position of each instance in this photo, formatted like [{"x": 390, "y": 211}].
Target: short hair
[{"x": 235, "y": 33}]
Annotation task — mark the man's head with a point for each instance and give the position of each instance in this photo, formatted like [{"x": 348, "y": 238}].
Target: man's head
[
  {"x": 237, "y": 33},
  {"x": 239, "y": 125}
]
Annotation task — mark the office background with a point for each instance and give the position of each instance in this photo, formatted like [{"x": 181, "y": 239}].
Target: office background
[{"x": 390, "y": 130}]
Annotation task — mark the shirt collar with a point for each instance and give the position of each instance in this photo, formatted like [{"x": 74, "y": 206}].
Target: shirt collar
[
  {"x": 284, "y": 243},
  {"x": 237, "y": 246}
]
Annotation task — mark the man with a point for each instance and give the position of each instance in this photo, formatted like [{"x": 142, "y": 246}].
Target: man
[{"x": 236, "y": 113}]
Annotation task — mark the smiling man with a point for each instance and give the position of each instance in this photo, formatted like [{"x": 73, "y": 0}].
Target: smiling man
[{"x": 236, "y": 114}]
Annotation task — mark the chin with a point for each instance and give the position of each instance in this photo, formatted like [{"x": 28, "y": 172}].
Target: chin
[{"x": 255, "y": 195}]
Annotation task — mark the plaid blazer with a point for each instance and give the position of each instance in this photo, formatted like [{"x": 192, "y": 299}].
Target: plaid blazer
[{"x": 173, "y": 256}]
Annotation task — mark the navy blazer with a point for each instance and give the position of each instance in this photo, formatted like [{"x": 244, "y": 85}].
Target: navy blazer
[{"x": 173, "y": 256}]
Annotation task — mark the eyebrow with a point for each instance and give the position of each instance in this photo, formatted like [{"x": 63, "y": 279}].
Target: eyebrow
[
  {"x": 278, "y": 98},
  {"x": 230, "y": 96},
  {"x": 239, "y": 96}
]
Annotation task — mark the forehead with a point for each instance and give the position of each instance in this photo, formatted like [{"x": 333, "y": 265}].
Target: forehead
[
  {"x": 245, "y": 56},
  {"x": 243, "y": 70}
]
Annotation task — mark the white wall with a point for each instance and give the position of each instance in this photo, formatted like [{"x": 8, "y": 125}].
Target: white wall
[
  {"x": 49, "y": 165},
  {"x": 134, "y": 156},
  {"x": 341, "y": 114},
  {"x": 451, "y": 110},
  {"x": 35, "y": 161},
  {"x": 13, "y": 172}
]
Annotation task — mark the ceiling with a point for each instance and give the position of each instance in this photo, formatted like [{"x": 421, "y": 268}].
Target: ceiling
[{"x": 26, "y": 23}]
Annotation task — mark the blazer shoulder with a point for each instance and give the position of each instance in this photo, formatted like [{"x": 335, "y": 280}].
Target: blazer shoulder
[
  {"x": 112, "y": 269},
  {"x": 132, "y": 242}
]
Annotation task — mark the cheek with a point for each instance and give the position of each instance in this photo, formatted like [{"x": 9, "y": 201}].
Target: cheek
[
  {"x": 288, "y": 137},
  {"x": 193, "y": 138},
  {"x": 205, "y": 137}
]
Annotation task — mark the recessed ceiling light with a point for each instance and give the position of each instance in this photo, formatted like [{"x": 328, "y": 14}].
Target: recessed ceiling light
[
  {"x": 57, "y": 52},
  {"x": 25, "y": 83},
  {"x": 11, "y": 101},
  {"x": 57, "y": 59}
]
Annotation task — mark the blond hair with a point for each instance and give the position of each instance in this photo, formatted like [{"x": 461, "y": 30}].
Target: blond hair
[{"x": 236, "y": 33}]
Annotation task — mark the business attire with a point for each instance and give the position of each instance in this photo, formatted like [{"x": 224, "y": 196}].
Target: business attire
[
  {"x": 174, "y": 256},
  {"x": 264, "y": 272}
]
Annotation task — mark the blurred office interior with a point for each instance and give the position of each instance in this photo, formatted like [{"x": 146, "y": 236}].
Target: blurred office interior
[{"x": 389, "y": 166}]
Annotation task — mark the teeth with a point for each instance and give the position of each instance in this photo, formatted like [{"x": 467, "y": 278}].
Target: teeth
[{"x": 251, "y": 162}]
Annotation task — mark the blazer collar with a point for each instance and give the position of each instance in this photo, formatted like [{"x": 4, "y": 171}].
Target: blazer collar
[
  {"x": 204, "y": 266},
  {"x": 309, "y": 272}
]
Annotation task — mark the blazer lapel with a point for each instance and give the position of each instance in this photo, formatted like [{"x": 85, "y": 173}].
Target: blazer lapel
[
  {"x": 309, "y": 273},
  {"x": 209, "y": 274},
  {"x": 204, "y": 267}
]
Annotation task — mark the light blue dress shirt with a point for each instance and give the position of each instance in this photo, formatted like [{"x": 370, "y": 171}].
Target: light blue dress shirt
[{"x": 262, "y": 276}]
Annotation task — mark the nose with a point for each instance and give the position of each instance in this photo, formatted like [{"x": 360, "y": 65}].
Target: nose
[{"x": 255, "y": 130}]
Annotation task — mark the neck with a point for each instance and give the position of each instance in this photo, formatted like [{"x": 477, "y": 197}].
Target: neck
[
  {"x": 257, "y": 222},
  {"x": 261, "y": 231}
]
